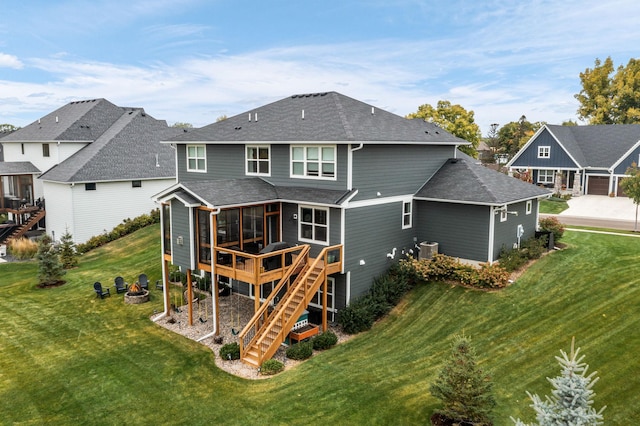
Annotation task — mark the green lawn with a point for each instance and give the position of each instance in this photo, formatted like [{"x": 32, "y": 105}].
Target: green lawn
[
  {"x": 69, "y": 358},
  {"x": 553, "y": 205}
]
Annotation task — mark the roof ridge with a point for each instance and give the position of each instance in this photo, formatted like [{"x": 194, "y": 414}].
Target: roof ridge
[
  {"x": 475, "y": 171},
  {"x": 102, "y": 141}
]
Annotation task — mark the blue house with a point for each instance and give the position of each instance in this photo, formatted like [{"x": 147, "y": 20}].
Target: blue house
[
  {"x": 301, "y": 203},
  {"x": 584, "y": 159}
]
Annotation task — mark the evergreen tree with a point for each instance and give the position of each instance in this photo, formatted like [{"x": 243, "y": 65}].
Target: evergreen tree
[
  {"x": 571, "y": 399},
  {"x": 463, "y": 387},
  {"x": 50, "y": 269},
  {"x": 68, "y": 253}
]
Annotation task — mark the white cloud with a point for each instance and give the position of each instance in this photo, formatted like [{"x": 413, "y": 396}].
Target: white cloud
[{"x": 10, "y": 61}]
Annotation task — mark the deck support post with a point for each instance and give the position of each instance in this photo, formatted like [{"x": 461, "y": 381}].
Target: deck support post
[{"x": 189, "y": 297}]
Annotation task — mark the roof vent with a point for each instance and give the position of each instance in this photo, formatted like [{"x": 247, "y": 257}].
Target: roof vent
[
  {"x": 373, "y": 110},
  {"x": 255, "y": 117},
  {"x": 238, "y": 127},
  {"x": 303, "y": 114},
  {"x": 249, "y": 117},
  {"x": 56, "y": 118}
]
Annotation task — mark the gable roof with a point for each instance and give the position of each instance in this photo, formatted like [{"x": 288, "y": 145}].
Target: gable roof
[
  {"x": 237, "y": 192},
  {"x": 128, "y": 149},
  {"x": 594, "y": 146},
  {"x": 320, "y": 117},
  {"x": 462, "y": 181},
  {"x": 76, "y": 121}
]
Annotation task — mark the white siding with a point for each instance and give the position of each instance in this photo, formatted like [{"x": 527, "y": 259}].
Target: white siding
[
  {"x": 58, "y": 204},
  {"x": 89, "y": 213}
]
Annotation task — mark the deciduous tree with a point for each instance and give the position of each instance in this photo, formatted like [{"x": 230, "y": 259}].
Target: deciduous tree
[
  {"x": 455, "y": 120},
  {"x": 513, "y": 135},
  {"x": 631, "y": 187},
  {"x": 608, "y": 98}
]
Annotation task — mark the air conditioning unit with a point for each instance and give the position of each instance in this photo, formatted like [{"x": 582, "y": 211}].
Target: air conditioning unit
[{"x": 428, "y": 250}]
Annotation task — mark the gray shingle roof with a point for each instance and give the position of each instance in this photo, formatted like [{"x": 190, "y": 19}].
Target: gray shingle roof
[
  {"x": 462, "y": 181},
  {"x": 236, "y": 192},
  {"x": 599, "y": 146},
  {"x": 76, "y": 121},
  {"x": 129, "y": 149},
  {"x": 327, "y": 117},
  {"x": 17, "y": 168}
]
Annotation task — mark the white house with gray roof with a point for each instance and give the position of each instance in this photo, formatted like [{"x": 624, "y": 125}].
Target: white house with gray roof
[
  {"x": 586, "y": 159},
  {"x": 92, "y": 162},
  {"x": 349, "y": 188}
]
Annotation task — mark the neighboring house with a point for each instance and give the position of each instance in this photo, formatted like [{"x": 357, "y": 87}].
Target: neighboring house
[
  {"x": 94, "y": 163},
  {"x": 584, "y": 159},
  {"x": 355, "y": 185}
]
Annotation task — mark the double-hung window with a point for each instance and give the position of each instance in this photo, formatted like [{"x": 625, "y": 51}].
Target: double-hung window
[
  {"x": 313, "y": 162},
  {"x": 406, "y": 214},
  {"x": 545, "y": 176},
  {"x": 313, "y": 225},
  {"x": 45, "y": 150},
  {"x": 544, "y": 152},
  {"x": 529, "y": 207},
  {"x": 258, "y": 160},
  {"x": 196, "y": 158}
]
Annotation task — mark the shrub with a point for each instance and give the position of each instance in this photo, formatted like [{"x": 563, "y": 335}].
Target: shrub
[
  {"x": 23, "y": 248},
  {"x": 356, "y": 317},
  {"x": 443, "y": 267},
  {"x": 126, "y": 227},
  {"x": 50, "y": 270},
  {"x": 300, "y": 351},
  {"x": 271, "y": 367},
  {"x": 511, "y": 259},
  {"x": 553, "y": 225},
  {"x": 230, "y": 351},
  {"x": 492, "y": 276},
  {"x": 324, "y": 340},
  {"x": 533, "y": 247}
]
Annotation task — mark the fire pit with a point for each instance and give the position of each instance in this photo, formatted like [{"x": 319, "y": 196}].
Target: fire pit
[{"x": 136, "y": 295}]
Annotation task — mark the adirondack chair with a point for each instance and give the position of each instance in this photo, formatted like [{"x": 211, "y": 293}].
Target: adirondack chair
[
  {"x": 100, "y": 292},
  {"x": 143, "y": 281},
  {"x": 159, "y": 285},
  {"x": 120, "y": 285}
]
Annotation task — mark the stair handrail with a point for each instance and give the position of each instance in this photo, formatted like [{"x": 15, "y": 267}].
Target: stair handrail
[
  {"x": 287, "y": 323},
  {"x": 303, "y": 256}
]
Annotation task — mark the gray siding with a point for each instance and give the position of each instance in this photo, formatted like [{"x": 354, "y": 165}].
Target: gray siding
[
  {"x": 372, "y": 232},
  {"x": 506, "y": 232},
  {"x": 460, "y": 230},
  {"x": 395, "y": 170},
  {"x": 290, "y": 227},
  {"x": 223, "y": 162},
  {"x": 634, "y": 157},
  {"x": 558, "y": 157},
  {"x": 281, "y": 169},
  {"x": 180, "y": 227}
]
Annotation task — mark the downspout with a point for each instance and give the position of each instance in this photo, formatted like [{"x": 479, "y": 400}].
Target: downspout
[
  {"x": 492, "y": 221},
  {"x": 214, "y": 283},
  {"x": 165, "y": 287}
]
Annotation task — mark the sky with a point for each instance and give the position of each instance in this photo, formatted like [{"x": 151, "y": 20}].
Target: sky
[{"x": 193, "y": 61}]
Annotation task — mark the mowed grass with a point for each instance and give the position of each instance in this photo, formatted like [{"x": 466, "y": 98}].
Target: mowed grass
[
  {"x": 69, "y": 358},
  {"x": 553, "y": 205}
]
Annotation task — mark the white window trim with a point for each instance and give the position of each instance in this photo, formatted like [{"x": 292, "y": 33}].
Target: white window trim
[
  {"x": 320, "y": 162},
  {"x": 196, "y": 158},
  {"x": 503, "y": 215},
  {"x": 546, "y": 174},
  {"x": 405, "y": 214},
  {"x": 544, "y": 151},
  {"x": 258, "y": 161},
  {"x": 300, "y": 223},
  {"x": 529, "y": 207},
  {"x": 331, "y": 286}
]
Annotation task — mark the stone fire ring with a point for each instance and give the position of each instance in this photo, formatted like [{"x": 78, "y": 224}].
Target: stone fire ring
[{"x": 136, "y": 299}]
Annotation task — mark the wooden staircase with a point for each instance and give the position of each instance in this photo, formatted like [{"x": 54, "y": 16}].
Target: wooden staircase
[
  {"x": 264, "y": 333},
  {"x": 22, "y": 229}
]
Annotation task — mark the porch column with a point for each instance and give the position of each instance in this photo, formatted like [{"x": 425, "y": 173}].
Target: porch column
[
  {"x": 214, "y": 291},
  {"x": 189, "y": 298},
  {"x": 256, "y": 297},
  {"x": 324, "y": 303},
  {"x": 167, "y": 290}
]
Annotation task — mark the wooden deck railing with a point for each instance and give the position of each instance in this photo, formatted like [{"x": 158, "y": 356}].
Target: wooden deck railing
[
  {"x": 265, "y": 332},
  {"x": 255, "y": 268}
]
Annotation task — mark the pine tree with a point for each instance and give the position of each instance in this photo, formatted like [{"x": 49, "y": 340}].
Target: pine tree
[
  {"x": 68, "y": 253},
  {"x": 571, "y": 399},
  {"x": 50, "y": 269},
  {"x": 463, "y": 387}
]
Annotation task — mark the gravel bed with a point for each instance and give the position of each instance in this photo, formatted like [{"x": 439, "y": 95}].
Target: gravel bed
[{"x": 235, "y": 311}]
